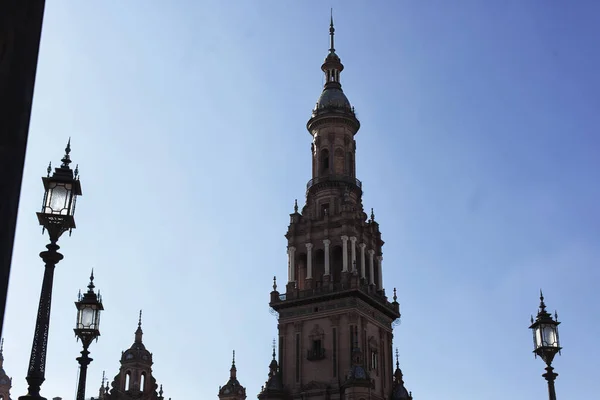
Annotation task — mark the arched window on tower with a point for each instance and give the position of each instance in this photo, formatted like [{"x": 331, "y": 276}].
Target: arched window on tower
[
  {"x": 339, "y": 161},
  {"x": 318, "y": 267},
  {"x": 324, "y": 161},
  {"x": 127, "y": 380},
  {"x": 142, "y": 381},
  {"x": 349, "y": 164},
  {"x": 337, "y": 264},
  {"x": 301, "y": 270}
]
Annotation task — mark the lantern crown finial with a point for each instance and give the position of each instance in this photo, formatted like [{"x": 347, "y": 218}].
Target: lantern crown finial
[
  {"x": 91, "y": 284},
  {"x": 66, "y": 160}
]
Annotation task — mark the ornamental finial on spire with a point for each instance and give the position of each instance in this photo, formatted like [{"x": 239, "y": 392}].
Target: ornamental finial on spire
[
  {"x": 138, "y": 331},
  {"x": 331, "y": 33},
  {"x": 274, "y": 344}
]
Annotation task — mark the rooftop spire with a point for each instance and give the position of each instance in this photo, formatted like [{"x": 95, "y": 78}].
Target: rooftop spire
[
  {"x": 138, "y": 332},
  {"x": 331, "y": 33},
  {"x": 233, "y": 369},
  {"x": 397, "y": 362},
  {"x": 274, "y": 345}
]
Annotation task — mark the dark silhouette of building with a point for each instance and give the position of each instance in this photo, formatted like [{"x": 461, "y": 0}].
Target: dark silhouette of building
[
  {"x": 334, "y": 319},
  {"x": 20, "y": 32},
  {"x": 5, "y": 380}
]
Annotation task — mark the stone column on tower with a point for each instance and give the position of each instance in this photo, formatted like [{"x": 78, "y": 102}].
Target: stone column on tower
[
  {"x": 371, "y": 269},
  {"x": 309, "y": 247},
  {"x": 291, "y": 260},
  {"x": 344, "y": 253},
  {"x": 379, "y": 274},
  {"x": 362, "y": 260}
]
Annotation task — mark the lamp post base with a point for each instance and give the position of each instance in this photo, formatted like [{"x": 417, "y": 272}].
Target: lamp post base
[{"x": 33, "y": 391}]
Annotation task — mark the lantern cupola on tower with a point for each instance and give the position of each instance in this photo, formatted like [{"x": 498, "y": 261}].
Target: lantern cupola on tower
[
  {"x": 399, "y": 392},
  {"x": 273, "y": 388},
  {"x": 332, "y": 98},
  {"x": 135, "y": 380},
  {"x": 232, "y": 390}
]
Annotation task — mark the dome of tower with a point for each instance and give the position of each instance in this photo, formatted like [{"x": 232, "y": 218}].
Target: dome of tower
[
  {"x": 333, "y": 97},
  {"x": 137, "y": 351}
]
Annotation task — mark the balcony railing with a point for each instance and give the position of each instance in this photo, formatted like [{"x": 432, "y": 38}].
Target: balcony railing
[
  {"x": 334, "y": 178},
  {"x": 322, "y": 289}
]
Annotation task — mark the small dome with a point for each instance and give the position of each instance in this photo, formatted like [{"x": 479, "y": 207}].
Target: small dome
[
  {"x": 400, "y": 393},
  {"x": 333, "y": 97}
]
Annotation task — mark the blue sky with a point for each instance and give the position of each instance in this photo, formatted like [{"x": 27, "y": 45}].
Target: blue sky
[{"x": 478, "y": 152}]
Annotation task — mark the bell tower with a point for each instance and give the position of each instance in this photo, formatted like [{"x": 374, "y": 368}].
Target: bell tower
[
  {"x": 335, "y": 320},
  {"x": 134, "y": 380}
]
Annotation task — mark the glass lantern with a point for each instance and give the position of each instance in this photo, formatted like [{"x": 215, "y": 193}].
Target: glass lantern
[
  {"x": 546, "y": 335},
  {"x": 546, "y": 343},
  {"x": 89, "y": 306},
  {"x": 88, "y": 316},
  {"x": 58, "y": 206}
]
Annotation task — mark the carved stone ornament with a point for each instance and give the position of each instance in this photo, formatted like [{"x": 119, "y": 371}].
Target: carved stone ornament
[
  {"x": 353, "y": 316},
  {"x": 298, "y": 326},
  {"x": 317, "y": 333}
]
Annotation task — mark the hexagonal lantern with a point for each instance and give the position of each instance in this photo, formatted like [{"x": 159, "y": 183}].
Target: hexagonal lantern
[{"x": 61, "y": 191}]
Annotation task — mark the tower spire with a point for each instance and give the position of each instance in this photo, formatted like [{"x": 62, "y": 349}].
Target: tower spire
[
  {"x": 331, "y": 33},
  {"x": 233, "y": 370},
  {"x": 138, "y": 332}
]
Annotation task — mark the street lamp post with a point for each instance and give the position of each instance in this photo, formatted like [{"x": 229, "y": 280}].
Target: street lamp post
[
  {"x": 87, "y": 328},
  {"x": 56, "y": 217},
  {"x": 546, "y": 342}
]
